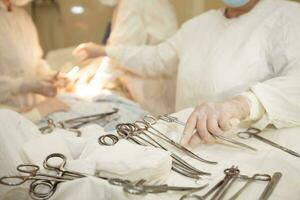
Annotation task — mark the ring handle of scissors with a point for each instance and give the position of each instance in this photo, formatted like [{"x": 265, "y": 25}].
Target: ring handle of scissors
[
  {"x": 248, "y": 133},
  {"x": 119, "y": 182},
  {"x": 59, "y": 167},
  {"x": 262, "y": 177},
  {"x": 108, "y": 140},
  {"x": 166, "y": 118},
  {"x": 134, "y": 190},
  {"x": 253, "y": 130},
  {"x": 149, "y": 119},
  {"x": 244, "y": 135},
  {"x": 256, "y": 177},
  {"x": 13, "y": 180},
  {"x": 232, "y": 171},
  {"x": 28, "y": 169},
  {"x": 48, "y": 189},
  {"x": 142, "y": 125}
]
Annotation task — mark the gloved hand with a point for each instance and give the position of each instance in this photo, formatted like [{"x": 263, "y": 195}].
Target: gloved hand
[
  {"x": 61, "y": 80},
  {"x": 89, "y": 50},
  {"x": 44, "y": 85},
  {"x": 210, "y": 119},
  {"x": 51, "y": 105}
]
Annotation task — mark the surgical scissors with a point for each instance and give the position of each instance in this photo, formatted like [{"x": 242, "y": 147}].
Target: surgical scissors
[
  {"x": 150, "y": 121},
  {"x": 75, "y": 123},
  {"x": 253, "y": 133},
  {"x": 33, "y": 174},
  {"x": 172, "y": 119},
  {"x": 136, "y": 133}
]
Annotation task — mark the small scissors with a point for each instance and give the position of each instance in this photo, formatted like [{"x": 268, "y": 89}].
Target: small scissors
[
  {"x": 253, "y": 132},
  {"x": 75, "y": 123}
]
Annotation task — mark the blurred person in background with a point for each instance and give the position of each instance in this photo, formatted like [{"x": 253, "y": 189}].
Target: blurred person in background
[{"x": 27, "y": 84}]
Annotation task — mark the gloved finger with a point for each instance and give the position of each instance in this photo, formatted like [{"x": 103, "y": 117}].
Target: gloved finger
[
  {"x": 189, "y": 129},
  {"x": 213, "y": 126},
  {"x": 224, "y": 122},
  {"x": 195, "y": 140},
  {"x": 203, "y": 132}
]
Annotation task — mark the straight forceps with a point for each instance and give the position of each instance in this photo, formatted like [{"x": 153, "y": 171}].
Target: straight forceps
[
  {"x": 253, "y": 132},
  {"x": 172, "y": 119},
  {"x": 155, "y": 189},
  {"x": 150, "y": 121}
]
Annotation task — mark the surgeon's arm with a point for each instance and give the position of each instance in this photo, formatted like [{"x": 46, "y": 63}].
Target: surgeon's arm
[
  {"x": 280, "y": 96},
  {"x": 148, "y": 60}
]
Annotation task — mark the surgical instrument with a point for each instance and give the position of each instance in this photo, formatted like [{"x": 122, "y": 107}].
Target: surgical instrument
[
  {"x": 271, "y": 186},
  {"x": 136, "y": 133},
  {"x": 150, "y": 121},
  {"x": 253, "y": 133},
  {"x": 217, "y": 189},
  {"x": 56, "y": 162},
  {"x": 255, "y": 177},
  {"x": 33, "y": 174},
  {"x": 75, "y": 123},
  {"x": 172, "y": 119},
  {"x": 147, "y": 189}
]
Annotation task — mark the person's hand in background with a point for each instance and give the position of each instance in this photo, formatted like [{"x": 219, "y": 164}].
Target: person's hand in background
[
  {"x": 210, "y": 119},
  {"x": 89, "y": 50}
]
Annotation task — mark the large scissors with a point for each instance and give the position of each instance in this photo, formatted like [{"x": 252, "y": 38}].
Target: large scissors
[
  {"x": 253, "y": 133},
  {"x": 172, "y": 119}
]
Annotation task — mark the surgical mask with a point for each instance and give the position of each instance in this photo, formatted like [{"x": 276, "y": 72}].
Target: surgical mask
[
  {"x": 236, "y": 3},
  {"x": 20, "y": 2},
  {"x": 109, "y": 2}
]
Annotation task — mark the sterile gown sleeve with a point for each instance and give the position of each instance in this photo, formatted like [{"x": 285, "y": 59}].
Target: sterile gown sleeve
[
  {"x": 280, "y": 95},
  {"x": 148, "y": 61},
  {"x": 9, "y": 87}
]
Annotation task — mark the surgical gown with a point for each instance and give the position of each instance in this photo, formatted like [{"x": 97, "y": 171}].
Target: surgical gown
[
  {"x": 138, "y": 23},
  {"x": 218, "y": 58}
]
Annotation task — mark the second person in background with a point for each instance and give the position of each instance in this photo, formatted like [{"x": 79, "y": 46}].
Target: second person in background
[{"x": 140, "y": 23}]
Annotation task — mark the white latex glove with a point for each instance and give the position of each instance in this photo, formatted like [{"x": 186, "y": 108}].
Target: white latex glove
[
  {"x": 89, "y": 50},
  {"x": 51, "y": 105},
  {"x": 213, "y": 119}
]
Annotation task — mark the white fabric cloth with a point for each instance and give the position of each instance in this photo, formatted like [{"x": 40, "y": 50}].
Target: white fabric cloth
[
  {"x": 138, "y": 23},
  {"x": 119, "y": 161},
  {"x": 14, "y": 132},
  {"x": 20, "y": 56},
  {"x": 219, "y": 58}
]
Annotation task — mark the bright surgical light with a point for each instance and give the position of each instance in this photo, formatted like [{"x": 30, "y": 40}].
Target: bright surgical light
[{"x": 77, "y": 10}]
